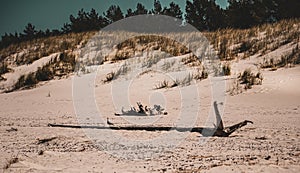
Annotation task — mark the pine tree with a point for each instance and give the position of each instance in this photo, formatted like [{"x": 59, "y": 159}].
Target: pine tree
[
  {"x": 240, "y": 13},
  {"x": 8, "y": 39},
  {"x": 140, "y": 9},
  {"x": 103, "y": 22},
  {"x": 65, "y": 29},
  {"x": 29, "y": 32},
  {"x": 129, "y": 13},
  {"x": 173, "y": 10},
  {"x": 288, "y": 9},
  {"x": 114, "y": 13},
  {"x": 79, "y": 23},
  {"x": 157, "y": 7},
  {"x": 265, "y": 11},
  {"x": 192, "y": 17},
  {"x": 93, "y": 19}
]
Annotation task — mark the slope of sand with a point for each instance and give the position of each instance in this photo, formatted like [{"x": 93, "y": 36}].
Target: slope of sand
[
  {"x": 271, "y": 144},
  {"x": 18, "y": 71}
]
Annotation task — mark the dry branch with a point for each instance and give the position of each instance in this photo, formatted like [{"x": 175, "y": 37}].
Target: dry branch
[{"x": 219, "y": 130}]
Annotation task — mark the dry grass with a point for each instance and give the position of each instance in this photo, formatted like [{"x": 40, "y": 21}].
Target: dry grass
[
  {"x": 186, "y": 81},
  {"x": 226, "y": 69},
  {"x": 229, "y": 43},
  {"x": 249, "y": 79},
  {"x": 59, "y": 67},
  {"x": 162, "y": 84},
  {"x": 129, "y": 47},
  {"x": 287, "y": 60},
  {"x": 232, "y": 43},
  {"x": 236, "y": 88},
  {"x": 29, "y": 51}
]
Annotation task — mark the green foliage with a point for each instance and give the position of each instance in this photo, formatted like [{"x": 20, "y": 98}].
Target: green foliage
[
  {"x": 140, "y": 9},
  {"x": 173, "y": 10},
  {"x": 202, "y": 14},
  {"x": 157, "y": 7},
  {"x": 29, "y": 32},
  {"x": 114, "y": 13},
  {"x": 205, "y": 15}
]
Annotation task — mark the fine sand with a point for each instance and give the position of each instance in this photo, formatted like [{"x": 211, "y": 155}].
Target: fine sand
[{"x": 271, "y": 144}]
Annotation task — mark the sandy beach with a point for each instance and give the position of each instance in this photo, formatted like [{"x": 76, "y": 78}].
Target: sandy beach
[{"x": 271, "y": 144}]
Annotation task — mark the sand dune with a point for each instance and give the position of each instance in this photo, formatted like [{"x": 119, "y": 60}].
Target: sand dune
[{"x": 271, "y": 144}]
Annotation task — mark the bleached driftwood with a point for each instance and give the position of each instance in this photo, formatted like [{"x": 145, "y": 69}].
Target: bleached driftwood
[
  {"x": 143, "y": 111},
  {"x": 218, "y": 130}
]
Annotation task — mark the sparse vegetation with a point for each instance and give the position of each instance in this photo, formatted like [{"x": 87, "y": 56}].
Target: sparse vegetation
[
  {"x": 260, "y": 40},
  {"x": 163, "y": 84},
  {"x": 289, "y": 59},
  {"x": 249, "y": 79},
  {"x": 109, "y": 77},
  {"x": 63, "y": 65},
  {"x": 245, "y": 81},
  {"x": 30, "y": 51},
  {"x": 235, "y": 88},
  {"x": 191, "y": 61},
  {"x": 123, "y": 70},
  {"x": 152, "y": 60},
  {"x": 200, "y": 75},
  {"x": 149, "y": 43},
  {"x": 230, "y": 44},
  {"x": 186, "y": 81},
  {"x": 226, "y": 69},
  {"x": 26, "y": 81},
  {"x": 3, "y": 68}
]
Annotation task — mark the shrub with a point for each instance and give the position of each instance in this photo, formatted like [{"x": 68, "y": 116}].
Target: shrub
[
  {"x": 249, "y": 79},
  {"x": 3, "y": 68},
  {"x": 235, "y": 88},
  {"x": 44, "y": 73},
  {"x": 290, "y": 58},
  {"x": 30, "y": 80},
  {"x": 109, "y": 77},
  {"x": 200, "y": 74},
  {"x": 26, "y": 81},
  {"x": 20, "y": 83},
  {"x": 226, "y": 70},
  {"x": 204, "y": 74},
  {"x": 245, "y": 46}
]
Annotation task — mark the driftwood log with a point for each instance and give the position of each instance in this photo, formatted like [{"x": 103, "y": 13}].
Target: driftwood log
[{"x": 218, "y": 130}]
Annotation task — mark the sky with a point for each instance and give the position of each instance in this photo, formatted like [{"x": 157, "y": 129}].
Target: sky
[{"x": 52, "y": 14}]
